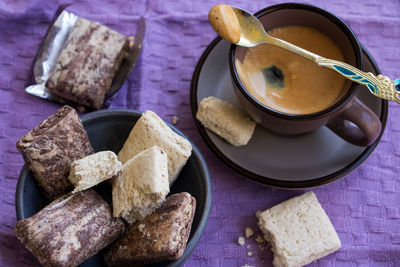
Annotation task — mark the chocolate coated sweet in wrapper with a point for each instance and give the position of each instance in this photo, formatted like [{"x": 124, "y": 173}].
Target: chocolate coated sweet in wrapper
[
  {"x": 82, "y": 62},
  {"x": 70, "y": 229},
  {"x": 159, "y": 237},
  {"x": 87, "y": 64},
  {"x": 51, "y": 146}
]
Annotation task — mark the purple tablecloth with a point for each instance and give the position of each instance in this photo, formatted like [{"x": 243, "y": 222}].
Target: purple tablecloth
[{"x": 364, "y": 206}]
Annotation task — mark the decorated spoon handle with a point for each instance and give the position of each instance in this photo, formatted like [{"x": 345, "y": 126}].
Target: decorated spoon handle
[{"x": 381, "y": 86}]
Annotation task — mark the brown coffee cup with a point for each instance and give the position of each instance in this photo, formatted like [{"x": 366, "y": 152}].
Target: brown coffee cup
[{"x": 348, "y": 117}]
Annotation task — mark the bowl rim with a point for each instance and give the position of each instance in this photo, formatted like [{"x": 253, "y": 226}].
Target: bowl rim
[
  {"x": 357, "y": 49},
  {"x": 268, "y": 181},
  {"x": 195, "y": 152}
]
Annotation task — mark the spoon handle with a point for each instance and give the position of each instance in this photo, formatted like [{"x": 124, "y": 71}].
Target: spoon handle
[
  {"x": 291, "y": 48},
  {"x": 380, "y": 86}
]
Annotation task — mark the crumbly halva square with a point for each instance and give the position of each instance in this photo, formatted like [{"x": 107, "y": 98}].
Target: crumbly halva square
[
  {"x": 141, "y": 186},
  {"x": 298, "y": 230},
  {"x": 226, "y": 120},
  {"x": 93, "y": 169},
  {"x": 150, "y": 130}
]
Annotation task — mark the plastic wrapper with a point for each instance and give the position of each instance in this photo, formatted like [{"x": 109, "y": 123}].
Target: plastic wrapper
[{"x": 46, "y": 59}]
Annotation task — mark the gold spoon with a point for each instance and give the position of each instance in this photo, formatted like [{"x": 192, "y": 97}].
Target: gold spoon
[{"x": 242, "y": 28}]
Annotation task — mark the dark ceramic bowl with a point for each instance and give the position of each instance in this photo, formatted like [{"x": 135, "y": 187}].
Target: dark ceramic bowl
[
  {"x": 301, "y": 15},
  {"x": 108, "y": 130}
]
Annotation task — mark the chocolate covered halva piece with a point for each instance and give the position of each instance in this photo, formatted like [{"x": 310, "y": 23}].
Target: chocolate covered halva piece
[
  {"x": 70, "y": 229},
  {"x": 51, "y": 146},
  {"x": 87, "y": 63},
  {"x": 159, "y": 237}
]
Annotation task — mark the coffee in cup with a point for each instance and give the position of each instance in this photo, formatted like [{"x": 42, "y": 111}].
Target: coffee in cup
[{"x": 287, "y": 82}]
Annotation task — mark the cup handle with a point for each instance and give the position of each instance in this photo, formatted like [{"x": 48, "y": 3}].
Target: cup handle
[{"x": 357, "y": 124}]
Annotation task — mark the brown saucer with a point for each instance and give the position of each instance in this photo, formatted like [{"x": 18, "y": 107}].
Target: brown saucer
[{"x": 294, "y": 162}]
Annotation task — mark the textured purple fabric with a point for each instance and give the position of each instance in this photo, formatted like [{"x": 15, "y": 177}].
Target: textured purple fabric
[{"x": 364, "y": 206}]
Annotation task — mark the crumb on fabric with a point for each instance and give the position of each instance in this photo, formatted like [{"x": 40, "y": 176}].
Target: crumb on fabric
[
  {"x": 241, "y": 240},
  {"x": 248, "y": 232},
  {"x": 174, "y": 120}
]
